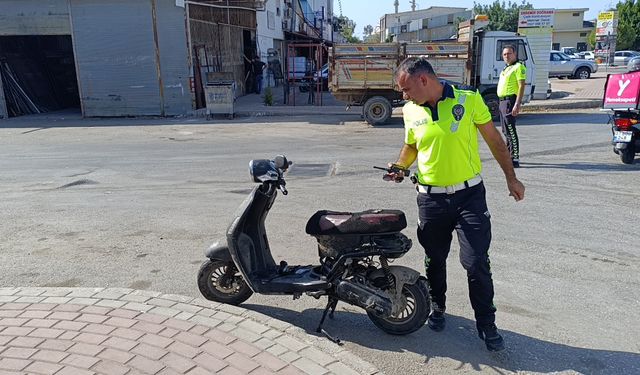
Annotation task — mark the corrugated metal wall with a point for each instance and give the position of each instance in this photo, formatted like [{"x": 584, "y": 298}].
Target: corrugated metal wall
[
  {"x": 174, "y": 57},
  {"x": 120, "y": 70},
  {"x": 34, "y": 17}
]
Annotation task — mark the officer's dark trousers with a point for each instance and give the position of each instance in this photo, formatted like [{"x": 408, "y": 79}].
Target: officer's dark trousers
[
  {"x": 466, "y": 212},
  {"x": 508, "y": 124}
]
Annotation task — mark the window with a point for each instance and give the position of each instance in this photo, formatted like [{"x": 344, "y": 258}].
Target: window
[
  {"x": 576, "y": 14},
  {"x": 555, "y": 46},
  {"x": 582, "y": 35},
  {"x": 278, "y": 12},
  {"x": 521, "y": 52}
]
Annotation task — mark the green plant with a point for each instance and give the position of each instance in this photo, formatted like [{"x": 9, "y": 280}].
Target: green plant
[{"x": 268, "y": 96}]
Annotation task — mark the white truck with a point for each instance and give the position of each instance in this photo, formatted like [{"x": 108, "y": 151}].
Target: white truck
[{"x": 363, "y": 74}]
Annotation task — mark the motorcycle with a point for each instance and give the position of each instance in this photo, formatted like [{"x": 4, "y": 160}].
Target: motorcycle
[
  {"x": 622, "y": 98},
  {"x": 354, "y": 248},
  {"x": 625, "y": 127}
]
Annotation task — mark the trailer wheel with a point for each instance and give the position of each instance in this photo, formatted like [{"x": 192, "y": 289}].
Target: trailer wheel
[{"x": 377, "y": 110}]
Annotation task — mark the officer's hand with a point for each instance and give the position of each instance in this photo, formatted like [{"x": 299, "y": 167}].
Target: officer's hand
[
  {"x": 515, "y": 110},
  {"x": 397, "y": 177},
  {"x": 516, "y": 189}
]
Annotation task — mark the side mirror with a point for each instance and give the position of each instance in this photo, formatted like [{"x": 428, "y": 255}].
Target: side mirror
[{"x": 281, "y": 162}]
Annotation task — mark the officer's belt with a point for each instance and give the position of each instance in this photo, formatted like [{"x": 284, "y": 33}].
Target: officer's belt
[
  {"x": 429, "y": 189},
  {"x": 508, "y": 97}
]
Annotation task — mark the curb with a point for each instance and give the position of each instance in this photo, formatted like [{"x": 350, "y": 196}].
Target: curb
[
  {"x": 557, "y": 105},
  {"x": 291, "y": 344}
]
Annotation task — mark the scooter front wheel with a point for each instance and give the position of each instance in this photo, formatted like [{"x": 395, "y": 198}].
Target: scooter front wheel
[
  {"x": 412, "y": 317},
  {"x": 220, "y": 281}
]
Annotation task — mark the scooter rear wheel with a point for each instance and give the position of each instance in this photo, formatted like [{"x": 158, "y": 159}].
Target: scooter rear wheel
[
  {"x": 628, "y": 154},
  {"x": 412, "y": 317},
  {"x": 220, "y": 281}
]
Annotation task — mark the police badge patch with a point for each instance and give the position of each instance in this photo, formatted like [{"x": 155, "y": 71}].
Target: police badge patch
[{"x": 458, "y": 112}]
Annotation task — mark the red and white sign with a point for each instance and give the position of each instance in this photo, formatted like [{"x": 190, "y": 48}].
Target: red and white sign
[
  {"x": 622, "y": 90},
  {"x": 536, "y": 18}
]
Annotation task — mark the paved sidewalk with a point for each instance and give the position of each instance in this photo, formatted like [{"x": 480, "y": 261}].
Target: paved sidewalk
[{"x": 124, "y": 331}]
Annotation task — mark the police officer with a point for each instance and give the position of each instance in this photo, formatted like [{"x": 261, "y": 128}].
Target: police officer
[
  {"x": 441, "y": 132},
  {"x": 510, "y": 91}
]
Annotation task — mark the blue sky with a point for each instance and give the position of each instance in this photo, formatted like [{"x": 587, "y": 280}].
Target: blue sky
[{"x": 368, "y": 12}]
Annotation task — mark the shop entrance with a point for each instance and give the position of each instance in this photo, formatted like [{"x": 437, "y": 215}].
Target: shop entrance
[{"x": 38, "y": 74}]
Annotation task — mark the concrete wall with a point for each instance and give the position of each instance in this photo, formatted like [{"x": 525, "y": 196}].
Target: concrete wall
[
  {"x": 34, "y": 17},
  {"x": 565, "y": 20},
  {"x": 568, "y": 38}
]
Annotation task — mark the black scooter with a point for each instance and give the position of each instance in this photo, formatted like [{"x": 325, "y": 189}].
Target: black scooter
[
  {"x": 354, "y": 248},
  {"x": 625, "y": 128}
]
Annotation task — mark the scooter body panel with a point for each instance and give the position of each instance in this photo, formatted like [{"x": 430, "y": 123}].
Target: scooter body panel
[{"x": 219, "y": 251}]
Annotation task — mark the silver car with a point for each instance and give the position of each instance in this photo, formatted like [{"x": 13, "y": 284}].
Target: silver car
[
  {"x": 561, "y": 65},
  {"x": 633, "y": 64},
  {"x": 623, "y": 57}
]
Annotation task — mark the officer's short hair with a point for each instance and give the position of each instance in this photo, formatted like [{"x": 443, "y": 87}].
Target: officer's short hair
[
  {"x": 415, "y": 65},
  {"x": 509, "y": 46}
]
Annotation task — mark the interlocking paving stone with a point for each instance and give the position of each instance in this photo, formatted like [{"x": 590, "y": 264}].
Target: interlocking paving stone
[{"x": 122, "y": 331}]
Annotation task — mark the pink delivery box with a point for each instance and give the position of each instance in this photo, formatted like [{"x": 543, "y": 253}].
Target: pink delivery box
[{"x": 622, "y": 91}]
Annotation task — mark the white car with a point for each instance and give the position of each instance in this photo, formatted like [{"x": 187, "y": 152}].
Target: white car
[{"x": 587, "y": 55}]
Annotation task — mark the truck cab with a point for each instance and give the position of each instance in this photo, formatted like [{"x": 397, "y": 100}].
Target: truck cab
[{"x": 488, "y": 64}]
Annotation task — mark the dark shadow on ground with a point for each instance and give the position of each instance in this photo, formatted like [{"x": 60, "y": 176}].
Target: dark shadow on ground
[
  {"x": 459, "y": 342},
  {"x": 562, "y": 118},
  {"x": 559, "y": 94},
  {"x": 590, "y": 167}
]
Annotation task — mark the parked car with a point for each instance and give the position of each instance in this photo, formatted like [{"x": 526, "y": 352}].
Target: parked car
[
  {"x": 587, "y": 55},
  {"x": 562, "y": 66},
  {"x": 572, "y": 52},
  {"x": 633, "y": 64},
  {"x": 623, "y": 57}
]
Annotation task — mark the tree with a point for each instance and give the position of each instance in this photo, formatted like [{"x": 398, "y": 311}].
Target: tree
[
  {"x": 346, "y": 27},
  {"x": 591, "y": 39},
  {"x": 503, "y": 17},
  {"x": 368, "y": 30},
  {"x": 628, "y": 25}
]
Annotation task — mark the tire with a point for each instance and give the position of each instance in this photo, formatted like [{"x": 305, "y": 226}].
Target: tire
[
  {"x": 628, "y": 154},
  {"x": 583, "y": 73},
  {"x": 493, "y": 102},
  {"x": 214, "y": 286},
  {"x": 377, "y": 110},
  {"x": 413, "y": 317}
]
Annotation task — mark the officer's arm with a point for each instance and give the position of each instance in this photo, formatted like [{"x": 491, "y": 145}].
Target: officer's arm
[
  {"x": 408, "y": 155},
  {"x": 501, "y": 154},
  {"x": 519, "y": 97}
]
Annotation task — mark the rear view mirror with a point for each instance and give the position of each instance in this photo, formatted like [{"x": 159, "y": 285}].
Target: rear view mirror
[{"x": 281, "y": 162}]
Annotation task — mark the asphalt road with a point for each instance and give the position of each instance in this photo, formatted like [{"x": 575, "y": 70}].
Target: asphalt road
[{"x": 133, "y": 203}]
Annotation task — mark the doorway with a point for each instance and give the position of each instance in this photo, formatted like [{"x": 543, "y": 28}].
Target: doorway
[{"x": 38, "y": 74}]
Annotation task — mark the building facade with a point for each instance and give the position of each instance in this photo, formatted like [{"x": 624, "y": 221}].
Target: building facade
[
  {"x": 109, "y": 58},
  {"x": 407, "y": 26},
  {"x": 570, "y": 29}
]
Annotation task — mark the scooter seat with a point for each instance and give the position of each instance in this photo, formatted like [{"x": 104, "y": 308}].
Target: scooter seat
[{"x": 366, "y": 222}]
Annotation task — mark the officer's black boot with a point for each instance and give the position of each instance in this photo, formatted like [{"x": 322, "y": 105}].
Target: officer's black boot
[
  {"x": 436, "y": 319},
  {"x": 492, "y": 339}
]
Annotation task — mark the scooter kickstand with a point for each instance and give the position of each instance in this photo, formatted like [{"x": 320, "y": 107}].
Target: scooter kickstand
[{"x": 331, "y": 305}]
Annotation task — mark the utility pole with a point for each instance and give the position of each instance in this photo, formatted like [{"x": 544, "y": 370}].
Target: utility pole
[
  {"x": 396, "y": 4},
  {"x": 413, "y": 5}
]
